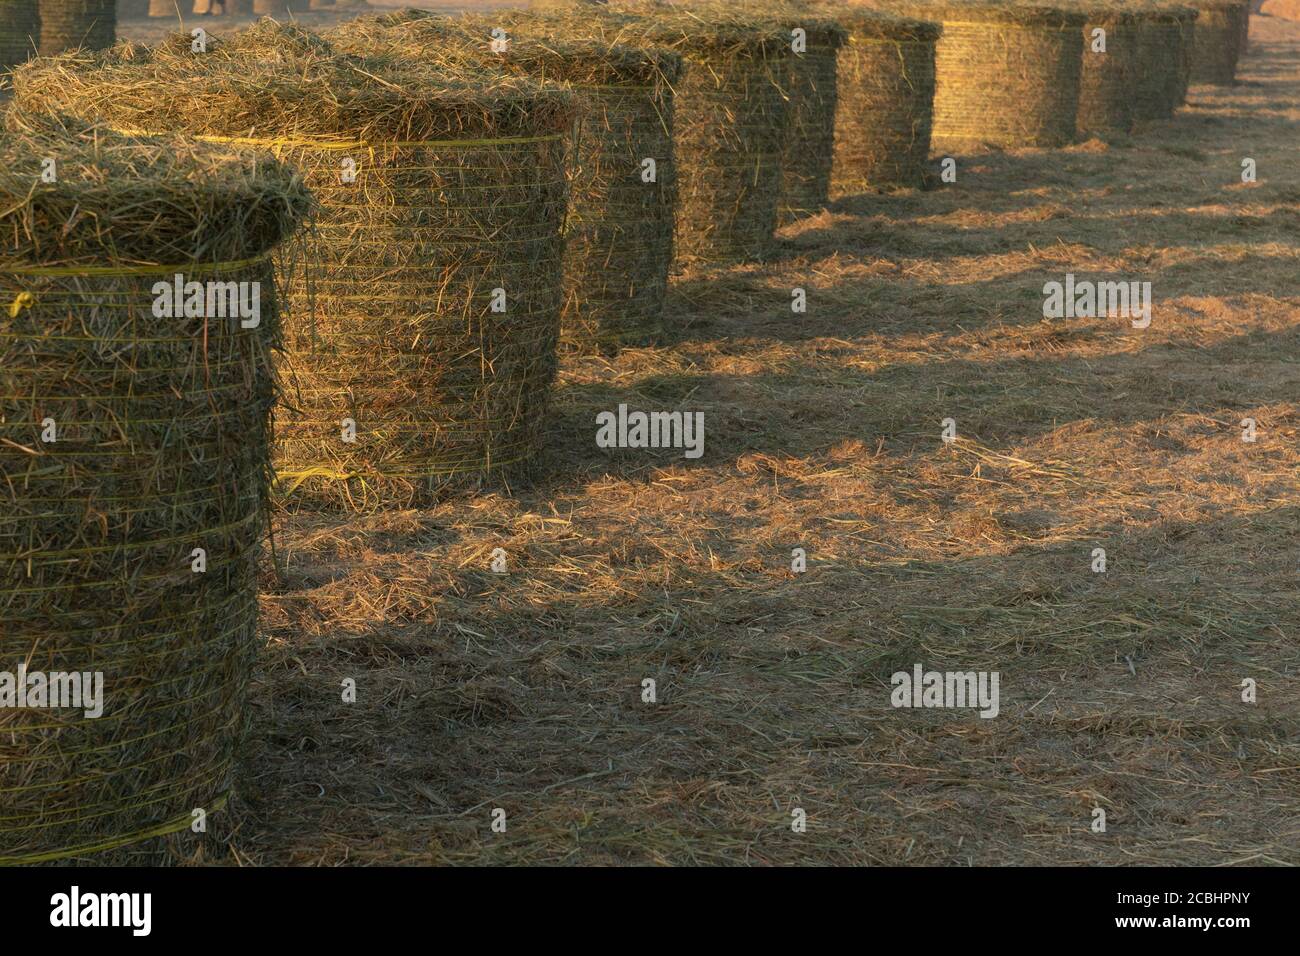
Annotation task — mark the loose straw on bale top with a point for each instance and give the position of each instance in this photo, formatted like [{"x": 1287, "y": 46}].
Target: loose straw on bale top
[
  {"x": 619, "y": 233},
  {"x": 1008, "y": 74},
  {"x": 885, "y": 90},
  {"x": 1217, "y": 40},
  {"x": 127, "y": 441},
  {"x": 423, "y": 347}
]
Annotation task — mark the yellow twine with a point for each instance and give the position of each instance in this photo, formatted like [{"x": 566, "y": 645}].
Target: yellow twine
[
  {"x": 79, "y": 271},
  {"x": 23, "y": 300},
  {"x": 175, "y": 825},
  {"x": 278, "y": 142}
]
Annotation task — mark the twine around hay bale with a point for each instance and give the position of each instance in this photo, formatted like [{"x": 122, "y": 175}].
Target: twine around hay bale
[
  {"x": 435, "y": 191},
  {"x": 77, "y": 24},
  {"x": 129, "y": 441},
  {"x": 1217, "y": 41},
  {"x": 20, "y": 32},
  {"x": 619, "y": 232},
  {"x": 1007, "y": 74},
  {"x": 885, "y": 90}
]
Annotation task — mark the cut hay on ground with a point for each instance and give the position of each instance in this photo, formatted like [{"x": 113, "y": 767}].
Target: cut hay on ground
[
  {"x": 1217, "y": 41},
  {"x": 77, "y": 24},
  {"x": 885, "y": 110},
  {"x": 442, "y": 200},
  {"x": 129, "y": 441},
  {"x": 1007, "y": 74},
  {"x": 619, "y": 232}
]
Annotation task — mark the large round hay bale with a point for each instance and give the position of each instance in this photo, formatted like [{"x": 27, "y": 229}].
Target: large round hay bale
[
  {"x": 133, "y": 442},
  {"x": 809, "y": 153},
  {"x": 885, "y": 110},
  {"x": 20, "y": 32},
  {"x": 1217, "y": 41},
  {"x": 732, "y": 112},
  {"x": 77, "y": 24},
  {"x": 1109, "y": 69},
  {"x": 426, "y": 307},
  {"x": 619, "y": 232},
  {"x": 1007, "y": 74},
  {"x": 1162, "y": 63}
]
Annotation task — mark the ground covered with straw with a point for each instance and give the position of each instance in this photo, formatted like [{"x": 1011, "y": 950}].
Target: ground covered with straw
[{"x": 1121, "y": 690}]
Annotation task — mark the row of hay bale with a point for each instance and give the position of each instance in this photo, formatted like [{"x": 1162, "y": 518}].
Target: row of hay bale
[
  {"x": 458, "y": 221},
  {"x": 48, "y": 27}
]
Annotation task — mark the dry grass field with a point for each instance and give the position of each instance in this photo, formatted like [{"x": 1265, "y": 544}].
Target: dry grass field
[{"x": 1119, "y": 690}]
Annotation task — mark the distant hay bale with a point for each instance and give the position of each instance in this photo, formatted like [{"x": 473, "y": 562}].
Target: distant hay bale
[
  {"x": 809, "y": 153},
  {"x": 129, "y": 441},
  {"x": 77, "y": 24},
  {"x": 885, "y": 110},
  {"x": 20, "y": 32},
  {"x": 731, "y": 117},
  {"x": 1217, "y": 41},
  {"x": 619, "y": 233},
  {"x": 1107, "y": 76},
  {"x": 732, "y": 111},
  {"x": 1163, "y": 62},
  {"x": 423, "y": 347},
  {"x": 1007, "y": 74}
]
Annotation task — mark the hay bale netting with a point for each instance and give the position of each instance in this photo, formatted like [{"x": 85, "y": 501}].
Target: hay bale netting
[
  {"x": 885, "y": 111},
  {"x": 20, "y": 32},
  {"x": 1108, "y": 71},
  {"x": 1217, "y": 41},
  {"x": 1007, "y": 74},
  {"x": 441, "y": 203},
  {"x": 619, "y": 232},
  {"x": 77, "y": 24},
  {"x": 129, "y": 441},
  {"x": 1162, "y": 64}
]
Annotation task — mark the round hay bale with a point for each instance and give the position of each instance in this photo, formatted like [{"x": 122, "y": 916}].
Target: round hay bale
[
  {"x": 165, "y": 8},
  {"x": 1161, "y": 64},
  {"x": 1217, "y": 41},
  {"x": 442, "y": 201},
  {"x": 619, "y": 232},
  {"x": 732, "y": 111},
  {"x": 1007, "y": 74},
  {"x": 20, "y": 32},
  {"x": 1109, "y": 68},
  {"x": 809, "y": 152},
  {"x": 885, "y": 110},
  {"x": 77, "y": 24},
  {"x": 129, "y": 441},
  {"x": 132, "y": 9}
]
